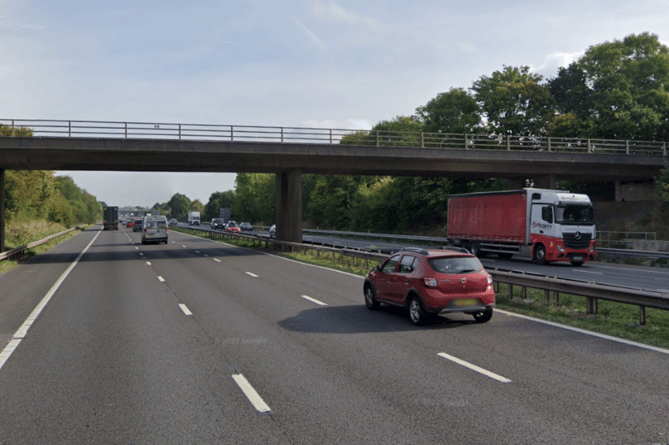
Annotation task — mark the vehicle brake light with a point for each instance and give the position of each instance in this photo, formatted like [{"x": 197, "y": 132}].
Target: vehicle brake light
[{"x": 430, "y": 282}]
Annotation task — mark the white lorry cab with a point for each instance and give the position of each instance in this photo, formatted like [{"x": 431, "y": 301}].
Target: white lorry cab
[{"x": 154, "y": 229}]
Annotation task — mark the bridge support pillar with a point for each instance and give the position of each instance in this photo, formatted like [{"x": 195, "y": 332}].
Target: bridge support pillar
[
  {"x": 289, "y": 206},
  {"x": 545, "y": 182},
  {"x": 2, "y": 210}
]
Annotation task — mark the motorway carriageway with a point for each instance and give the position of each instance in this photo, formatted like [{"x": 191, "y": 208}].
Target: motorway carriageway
[{"x": 200, "y": 342}]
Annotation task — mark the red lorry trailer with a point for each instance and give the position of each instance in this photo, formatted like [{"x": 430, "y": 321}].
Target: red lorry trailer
[{"x": 547, "y": 225}]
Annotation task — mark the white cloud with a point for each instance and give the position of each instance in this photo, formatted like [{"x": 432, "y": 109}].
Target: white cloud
[
  {"x": 333, "y": 12},
  {"x": 314, "y": 38},
  {"x": 554, "y": 61}
]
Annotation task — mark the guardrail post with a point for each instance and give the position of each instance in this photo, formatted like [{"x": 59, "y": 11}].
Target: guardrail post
[
  {"x": 523, "y": 293},
  {"x": 377, "y": 138},
  {"x": 179, "y": 131},
  {"x": 508, "y": 142},
  {"x": 330, "y": 136},
  {"x": 546, "y": 297},
  {"x": 466, "y": 141},
  {"x": 282, "y": 135},
  {"x": 422, "y": 140},
  {"x": 12, "y": 127},
  {"x": 590, "y": 305},
  {"x": 642, "y": 313},
  {"x": 549, "y": 144},
  {"x": 232, "y": 136},
  {"x": 509, "y": 288},
  {"x": 126, "y": 130},
  {"x": 69, "y": 129},
  {"x": 589, "y": 148},
  {"x": 556, "y": 298},
  {"x": 664, "y": 148},
  {"x": 627, "y": 147}
]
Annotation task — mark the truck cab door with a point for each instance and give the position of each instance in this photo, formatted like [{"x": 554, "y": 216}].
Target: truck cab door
[{"x": 543, "y": 222}]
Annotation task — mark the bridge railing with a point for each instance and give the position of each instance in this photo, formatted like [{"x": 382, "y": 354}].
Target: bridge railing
[{"x": 248, "y": 133}]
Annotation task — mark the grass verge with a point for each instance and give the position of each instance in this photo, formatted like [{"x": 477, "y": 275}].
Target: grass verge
[
  {"x": 615, "y": 319},
  {"x": 24, "y": 232}
]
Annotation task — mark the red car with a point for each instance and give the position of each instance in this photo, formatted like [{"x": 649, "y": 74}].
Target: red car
[
  {"x": 232, "y": 227},
  {"x": 431, "y": 282},
  {"x": 130, "y": 223}
]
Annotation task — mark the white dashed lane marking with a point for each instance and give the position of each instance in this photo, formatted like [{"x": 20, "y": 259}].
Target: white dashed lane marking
[{"x": 313, "y": 300}]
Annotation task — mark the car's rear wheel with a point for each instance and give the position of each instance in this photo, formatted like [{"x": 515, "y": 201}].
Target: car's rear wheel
[
  {"x": 417, "y": 313},
  {"x": 370, "y": 299},
  {"x": 484, "y": 316}
]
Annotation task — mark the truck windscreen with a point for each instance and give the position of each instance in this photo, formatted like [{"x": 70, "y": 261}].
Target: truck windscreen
[{"x": 574, "y": 214}]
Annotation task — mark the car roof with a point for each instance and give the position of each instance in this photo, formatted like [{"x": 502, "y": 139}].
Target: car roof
[{"x": 431, "y": 253}]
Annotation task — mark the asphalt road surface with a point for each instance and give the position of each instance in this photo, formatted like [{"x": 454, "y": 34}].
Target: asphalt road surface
[{"x": 200, "y": 342}]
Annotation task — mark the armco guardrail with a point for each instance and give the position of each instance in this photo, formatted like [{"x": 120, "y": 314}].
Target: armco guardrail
[
  {"x": 445, "y": 141},
  {"x": 21, "y": 249},
  {"x": 590, "y": 290}
]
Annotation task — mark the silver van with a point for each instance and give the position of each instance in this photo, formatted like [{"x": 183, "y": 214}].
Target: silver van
[{"x": 154, "y": 229}]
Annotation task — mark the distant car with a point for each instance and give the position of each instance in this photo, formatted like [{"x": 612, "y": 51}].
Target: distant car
[
  {"x": 173, "y": 222},
  {"x": 130, "y": 223},
  {"x": 431, "y": 282},
  {"x": 154, "y": 229},
  {"x": 138, "y": 226},
  {"x": 272, "y": 231},
  {"x": 232, "y": 227},
  {"x": 217, "y": 223},
  {"x": 246, "y": 227}
]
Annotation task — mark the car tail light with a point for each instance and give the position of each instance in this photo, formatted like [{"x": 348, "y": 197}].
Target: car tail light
[{"x": 430, "y": 282}]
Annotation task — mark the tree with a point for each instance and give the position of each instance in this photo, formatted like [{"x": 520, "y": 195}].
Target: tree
[
  {"x": 218, "y": 201},
  {"x": 515, "y": 102},
  {"x": 255, "y": 197},
  {"x": 180, "y": 204},
  {"x": 196, "y": 206},
  {"x": 453, "y": 112},
  {"x": 618, "y": 89}
]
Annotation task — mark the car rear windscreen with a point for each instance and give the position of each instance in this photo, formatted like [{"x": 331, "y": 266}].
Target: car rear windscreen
[{"x": 455, "y": 265}]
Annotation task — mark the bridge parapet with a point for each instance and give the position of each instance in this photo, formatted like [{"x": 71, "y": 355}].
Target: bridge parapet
[{"x": 314, "y": 135}]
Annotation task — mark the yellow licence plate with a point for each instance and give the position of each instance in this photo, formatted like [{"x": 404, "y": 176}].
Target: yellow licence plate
[{"x": 468, "y": 302}]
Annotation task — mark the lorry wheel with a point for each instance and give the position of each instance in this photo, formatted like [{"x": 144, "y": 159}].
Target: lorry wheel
[
  {"x": 539, "y": 254},
  {"x": 475, "y": 249}
]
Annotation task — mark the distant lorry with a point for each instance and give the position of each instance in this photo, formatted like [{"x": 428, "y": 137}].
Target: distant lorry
[
  {"x": 110, "y": 218},
  {"x": 194, "y": 218},
  {"x": 546, "y": 225}
]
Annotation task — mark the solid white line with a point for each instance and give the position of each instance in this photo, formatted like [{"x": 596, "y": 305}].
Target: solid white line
[
  {"x": 21, "y": 333},
  {"x": 587, "y": 271},
  {"x": 185, "y": 309},
  {"x": 583, "y": 331},
  {"x": 217, "y": 260},
  {"x": 183, "y": 246},
  {"x": 161, "y": 279},
  {"x": 251, "y": 274},
  {"x": 314, "y": 300},
  {"x": 148, "y": 263},
  {"x": 485, "y": 372},
  {"x": 251, "y": 394}
]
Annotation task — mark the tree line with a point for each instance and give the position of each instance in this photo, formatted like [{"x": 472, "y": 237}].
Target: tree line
[
  {"x": 39, "y": 194},
  {"x": 615, "y": 90}
]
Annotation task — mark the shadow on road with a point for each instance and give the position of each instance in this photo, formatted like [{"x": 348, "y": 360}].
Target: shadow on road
[{"x": 357, "y": 319}]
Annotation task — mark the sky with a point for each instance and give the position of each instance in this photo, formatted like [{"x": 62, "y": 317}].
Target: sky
[{"x": 307, "y": 63}]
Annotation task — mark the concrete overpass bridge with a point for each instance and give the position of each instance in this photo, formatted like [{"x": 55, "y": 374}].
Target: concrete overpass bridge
[{"x": 288, "y": 152}]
